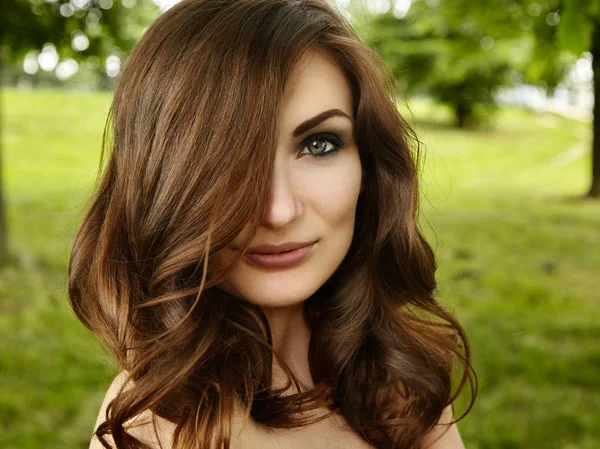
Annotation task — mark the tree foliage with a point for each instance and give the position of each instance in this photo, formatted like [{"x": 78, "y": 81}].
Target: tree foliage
[
  {"x": 456, "y": 57},
  {"x": 577, "y": 31},
  {"x": 111, "y": 26}
]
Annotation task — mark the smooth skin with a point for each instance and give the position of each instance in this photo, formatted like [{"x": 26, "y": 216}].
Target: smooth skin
[
  {"x": 312, "y": 198},
  {"x": 249, "y": 436}
]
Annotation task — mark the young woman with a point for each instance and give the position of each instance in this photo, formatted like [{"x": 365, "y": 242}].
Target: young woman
[{"x": 251, "y": 254}]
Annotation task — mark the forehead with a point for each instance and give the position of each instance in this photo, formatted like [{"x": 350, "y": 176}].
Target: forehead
[{"x": 316, "y": 84}]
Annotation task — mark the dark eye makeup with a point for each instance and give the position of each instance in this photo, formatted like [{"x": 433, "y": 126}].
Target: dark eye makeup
[{"x": 326, "y": 138}]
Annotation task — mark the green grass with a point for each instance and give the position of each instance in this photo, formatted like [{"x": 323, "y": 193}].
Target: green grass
[{"x": 518, "y": 253}]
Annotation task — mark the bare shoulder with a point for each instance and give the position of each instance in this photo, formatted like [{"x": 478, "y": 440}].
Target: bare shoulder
[
  {"x": 140, "y": 426},
  {"x": 444, "y": 436}
]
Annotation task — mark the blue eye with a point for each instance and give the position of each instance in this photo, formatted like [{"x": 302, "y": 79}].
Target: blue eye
[{"x": 323, "y": 144}]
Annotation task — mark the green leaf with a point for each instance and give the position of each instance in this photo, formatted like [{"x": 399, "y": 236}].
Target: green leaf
[{"x": 576, "y": 26}]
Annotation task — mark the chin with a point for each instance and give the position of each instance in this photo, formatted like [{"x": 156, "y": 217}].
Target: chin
[{"x": 272, "y": 290}]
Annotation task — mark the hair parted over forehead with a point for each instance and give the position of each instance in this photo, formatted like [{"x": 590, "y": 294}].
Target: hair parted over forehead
[{"x": 188, "y": 153}]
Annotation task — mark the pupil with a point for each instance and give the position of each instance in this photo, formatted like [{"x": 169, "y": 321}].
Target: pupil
[{"x": 316, "y": 145}]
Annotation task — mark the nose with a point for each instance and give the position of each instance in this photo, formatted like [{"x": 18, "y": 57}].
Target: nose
[{"x": 284, "y": 204}]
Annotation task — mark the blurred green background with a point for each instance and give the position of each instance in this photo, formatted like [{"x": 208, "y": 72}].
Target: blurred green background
[{"x": 501, "y": 94}]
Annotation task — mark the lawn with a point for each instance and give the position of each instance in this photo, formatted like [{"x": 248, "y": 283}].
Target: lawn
[{"x": 518, "y": 253}]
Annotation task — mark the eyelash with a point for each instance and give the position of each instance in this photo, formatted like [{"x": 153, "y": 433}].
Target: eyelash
[{"x": 326, "y": 137}]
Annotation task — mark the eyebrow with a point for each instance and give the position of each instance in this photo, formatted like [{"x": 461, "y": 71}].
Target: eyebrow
[{"x": 312, "y": 122}]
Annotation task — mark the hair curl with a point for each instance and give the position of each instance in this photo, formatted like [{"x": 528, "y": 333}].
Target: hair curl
[{"x": 383, "y": 352}]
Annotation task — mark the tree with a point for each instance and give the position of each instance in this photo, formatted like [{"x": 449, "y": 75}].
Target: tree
[
  {"x": 579, "y": 31},
  {"x": 109, "y": 26},
  {"x": 595, "y": 51},
  {"x": 78, "y": 29},
  {"x": 435, "y": 47},
  {"x": 438, "y": 49},
  {"x": 559, "y": 27}
]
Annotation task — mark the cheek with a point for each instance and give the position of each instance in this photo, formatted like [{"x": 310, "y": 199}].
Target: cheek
[{"x": 332, "y": 193}]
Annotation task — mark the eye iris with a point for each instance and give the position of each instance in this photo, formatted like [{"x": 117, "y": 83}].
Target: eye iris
[{"x": 317, "y": 147}]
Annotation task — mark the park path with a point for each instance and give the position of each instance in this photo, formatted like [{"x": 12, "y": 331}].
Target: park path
[
  {"x": 575, "y": 151},
  {"x": 571, "y": 154}
]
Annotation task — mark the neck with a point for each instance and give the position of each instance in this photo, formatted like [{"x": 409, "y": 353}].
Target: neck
[{"x": 290, "y": 333}]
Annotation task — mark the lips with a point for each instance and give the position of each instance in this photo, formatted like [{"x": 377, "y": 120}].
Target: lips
[
  {"x": 282, "y": 259},
  {"x": 276, "y": 249}
]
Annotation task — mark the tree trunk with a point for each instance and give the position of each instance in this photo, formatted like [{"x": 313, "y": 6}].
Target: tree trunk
[
  {"x": 462, "y": 114},
  {"x": 595, "y": 187}
]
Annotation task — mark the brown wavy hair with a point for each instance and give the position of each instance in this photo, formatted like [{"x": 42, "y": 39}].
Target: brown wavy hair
[{"x": 191, "y": 140}]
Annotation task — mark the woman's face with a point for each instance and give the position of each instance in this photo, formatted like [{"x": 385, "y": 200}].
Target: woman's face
[{"x": 313, "y": 198}]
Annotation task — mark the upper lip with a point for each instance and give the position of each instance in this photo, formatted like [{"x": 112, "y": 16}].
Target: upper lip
[{"x": 273, "y": 249}]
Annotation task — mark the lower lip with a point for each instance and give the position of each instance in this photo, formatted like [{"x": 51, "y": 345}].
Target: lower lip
[{"x": 279, "y": 260}]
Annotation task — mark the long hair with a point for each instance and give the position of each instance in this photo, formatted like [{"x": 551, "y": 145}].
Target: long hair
[{"x": 190, "y": 137}]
